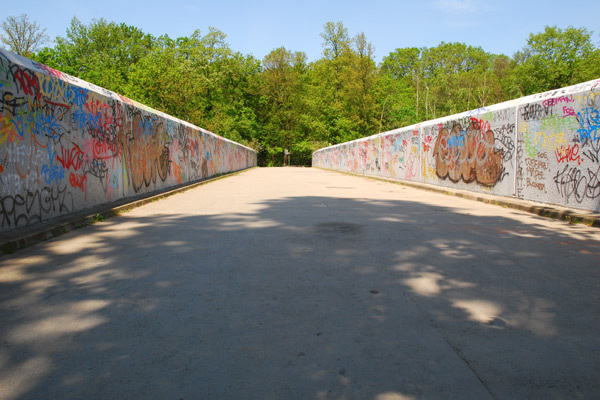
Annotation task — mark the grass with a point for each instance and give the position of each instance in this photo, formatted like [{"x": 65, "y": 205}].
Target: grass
[{"x": 97, "y": 218}]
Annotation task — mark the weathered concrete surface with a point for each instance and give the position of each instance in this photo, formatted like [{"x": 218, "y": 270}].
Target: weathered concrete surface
[{"x": 305, "y": 284}]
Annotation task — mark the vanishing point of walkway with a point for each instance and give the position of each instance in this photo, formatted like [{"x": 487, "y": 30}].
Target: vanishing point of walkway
[{"x": 292, "y": 283}]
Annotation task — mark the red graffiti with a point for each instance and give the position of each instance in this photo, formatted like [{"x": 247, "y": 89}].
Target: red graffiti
[
  {"x": 126, "y": 100},
  {"x": 102, "y": 149},
  {"x": 71, "y": 159},
  {"x": 52, "y": 71},
  {"x": 29, "y": 83},
  {"x": 568, "y": 154},
  {"x": 102, "y": 114},
  {"x": 483, "y": 125},
  {"x": 78, "y": 181}
]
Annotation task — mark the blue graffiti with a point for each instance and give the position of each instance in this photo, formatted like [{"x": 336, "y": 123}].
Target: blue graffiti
[
  {"x": 586, "y": 133},
  {"x": 589, "y": 121},
  {"x": 44, "y": 124},
  {"x": 80, "y": 97},
  {"x": 52, "y": 172},
  {"x": 457, "y": 141},
  {"x": 36, "y": 122}
]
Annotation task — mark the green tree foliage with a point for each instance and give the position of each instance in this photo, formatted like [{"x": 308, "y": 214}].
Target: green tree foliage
[
  {"x": 102, "y": 52},
  {"x": 201, "y": 80},
  {"x": 449, "y": 78},
  {"x": 555, "y": 58},
  {"x": 282, "y": 87},
  {"x": 343, "y": 85},
  {"x": 285, "y": 102}
]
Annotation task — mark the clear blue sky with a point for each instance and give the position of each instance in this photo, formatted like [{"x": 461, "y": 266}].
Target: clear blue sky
[{"x": 259, "y": 26}]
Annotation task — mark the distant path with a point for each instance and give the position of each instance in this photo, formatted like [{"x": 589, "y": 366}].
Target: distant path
[{"x": 298, "y": 283}]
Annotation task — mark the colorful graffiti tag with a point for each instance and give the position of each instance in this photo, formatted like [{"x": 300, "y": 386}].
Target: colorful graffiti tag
[
  {"x": 67, "y": 145},
  {"x": 544, "y": 148},
  {"x": 469, "y": 155}
]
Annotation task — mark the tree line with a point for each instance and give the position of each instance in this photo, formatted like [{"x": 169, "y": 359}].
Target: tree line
[{"x": 285, "y": 102}]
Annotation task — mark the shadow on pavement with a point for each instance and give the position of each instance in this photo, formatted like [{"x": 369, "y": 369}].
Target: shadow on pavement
[{"x": 361, "y": 299}]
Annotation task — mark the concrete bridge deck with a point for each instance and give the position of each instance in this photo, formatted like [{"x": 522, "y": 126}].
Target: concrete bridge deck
[{"x": 305, "y": 284}]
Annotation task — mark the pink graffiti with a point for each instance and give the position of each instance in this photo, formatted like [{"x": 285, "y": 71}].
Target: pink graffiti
[
  {"x": 102, "y": 149},
  {"x": 556, "y": 100},
  {"x": 569, "y": 111},
  {"x": 52, "y": 71}
]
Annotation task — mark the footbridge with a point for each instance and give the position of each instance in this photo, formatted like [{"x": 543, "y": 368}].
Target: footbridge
[{"x": 217, "y": 280}]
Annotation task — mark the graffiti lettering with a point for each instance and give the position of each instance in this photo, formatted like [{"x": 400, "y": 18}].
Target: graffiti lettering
[
  {"x": 559, "y": 124},
  {"x": 20, "y": 210},
  {"x": 568, "y": 111},
  {"x": 478, "y": 160},
  {"x": 71, "y": 159},
  {"x": 536, "y": 141},
  {"x": 60, "y": 136},
  {"x": 539, "y": 186},
  {"x": 535, "y": 112},
  {"x": 568, "y": 154},
  {"x": 561, "y": 99},
  {"x": 78, "y": 181},
  {"x": 573, "y": 182},
  {"x": 592, "y": 151},
  {"x": 504, "y": 140},
  {"x": 27, "y": 82}
]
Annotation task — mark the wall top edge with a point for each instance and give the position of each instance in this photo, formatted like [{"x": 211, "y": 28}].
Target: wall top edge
[{"x": 46, "y": 70}]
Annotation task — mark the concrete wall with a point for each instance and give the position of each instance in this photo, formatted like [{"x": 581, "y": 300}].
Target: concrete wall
[
  {"x": 67, "y": 145},
  {"x": 544, "y": 148}
]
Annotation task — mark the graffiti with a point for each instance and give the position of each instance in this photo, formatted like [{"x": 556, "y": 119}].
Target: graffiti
[
  {"x": 26, "y": 82},
  {"x": 535, "y": 112},
  {"x": 468, "y": 155},
  {"x": 548, "y": 143},
  {"x": 504, "y": 139},
  {"x": 535, "y": 142},
  {"x": 71, "y": 158},
  {"x": 573, "y": 182},
  {"x": 557, "y": 100},
  {"x": 535, "y": 167},
  {"x": 589, "y": 121},
  {"x": 569, "y": 153},
  {"x": 592, "y": 151},
  {"x": 66, "y": 145},
  {"x": 21, "y": 210},
  {"x": 78, "y": 181},
  {"x": 52, "y": 173},
  {"x": 559, "y": 124},
  {"x": 535, "y": 172},
  {"x": 569, "y": 111}
]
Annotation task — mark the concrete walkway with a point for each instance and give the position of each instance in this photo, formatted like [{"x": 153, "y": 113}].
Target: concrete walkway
[{"x": 297, "y": 283}]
